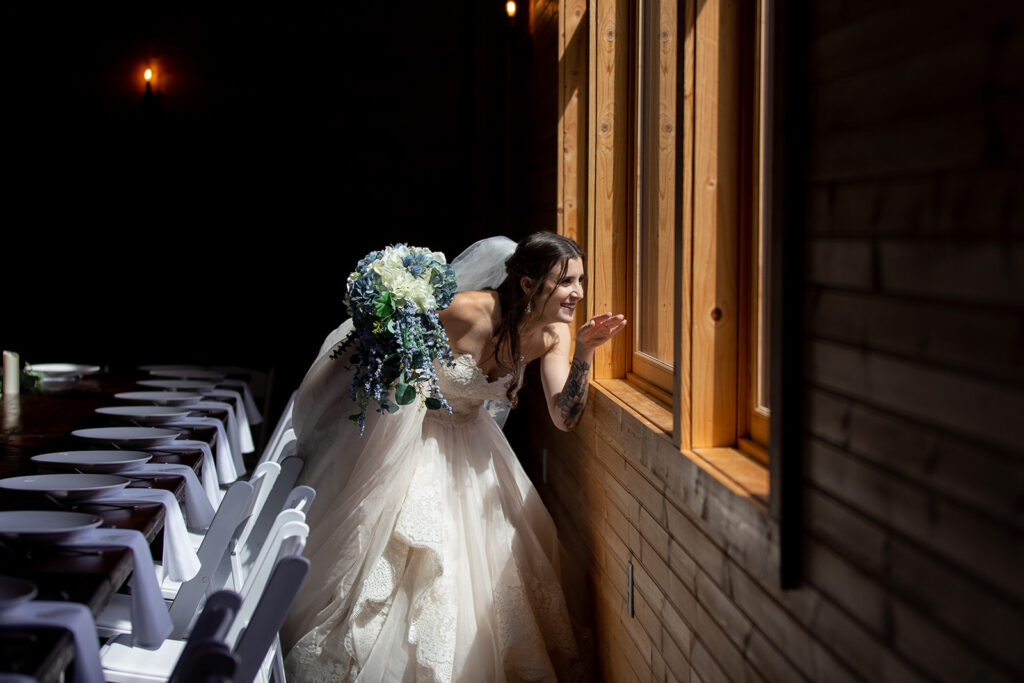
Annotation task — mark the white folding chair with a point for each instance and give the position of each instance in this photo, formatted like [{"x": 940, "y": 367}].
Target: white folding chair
[
  {"x": 187, "y": 596},
  {"x": 258, "y": 646},
  {"x": 283, "y": 423},
  {"x": 205, "y": 651},
  {"x": 266, "y": 595},
  {"x": 276, "y": 447},
  {"x": 245, "y": 558},
  {"x": 281, "y": 496},
  {"x": 263, "y": 478}
]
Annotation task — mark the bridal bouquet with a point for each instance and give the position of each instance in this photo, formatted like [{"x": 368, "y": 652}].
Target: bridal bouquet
[{"x": 393, "y": 298}]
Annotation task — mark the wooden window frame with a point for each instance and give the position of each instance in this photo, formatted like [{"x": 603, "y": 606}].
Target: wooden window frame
[
  {"x": 650, "y": 182},
  {"x": 705, "y": 408}
]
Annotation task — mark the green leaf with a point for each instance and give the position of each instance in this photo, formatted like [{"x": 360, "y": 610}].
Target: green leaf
[
  {"x": 388, "y": 406},
  {"x": 404, "y": 394},
  {"x": 433, "y": 403},
  {"x": 383, "y": 305}
]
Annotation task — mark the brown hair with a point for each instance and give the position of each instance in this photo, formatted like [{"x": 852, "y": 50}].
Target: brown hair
[{"x": 535, "y": 256}]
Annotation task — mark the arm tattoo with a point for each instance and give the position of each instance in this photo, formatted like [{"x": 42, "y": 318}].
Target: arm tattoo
[{"x": 574, "y": 393}]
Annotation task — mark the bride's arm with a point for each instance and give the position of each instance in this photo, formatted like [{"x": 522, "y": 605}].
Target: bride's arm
[{"x": 566, "y": 379}]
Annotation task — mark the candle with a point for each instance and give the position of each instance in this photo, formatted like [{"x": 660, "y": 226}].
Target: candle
[{"x": 12, "y": 373}]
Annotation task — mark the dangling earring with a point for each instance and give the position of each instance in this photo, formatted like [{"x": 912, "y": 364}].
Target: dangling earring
[{"x": 529, "y": 306}]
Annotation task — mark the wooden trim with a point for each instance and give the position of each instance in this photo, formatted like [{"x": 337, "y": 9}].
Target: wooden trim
[
  {"x": 715, "y": 216},
  {"x": 609, "y": 149},
  {"x": 683, "y": 385},
  {"x": 572, "y": 124},
  {"x": 653, "y": 204},
  {"x": 753, "y": 450},
  {"x": 573, "y": 110},
  {"x": 752, "y": 423},
  {"x": 654, "y": 390}
]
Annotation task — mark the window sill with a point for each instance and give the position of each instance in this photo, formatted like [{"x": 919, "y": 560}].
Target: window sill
[{"x": 742, "y": 475}]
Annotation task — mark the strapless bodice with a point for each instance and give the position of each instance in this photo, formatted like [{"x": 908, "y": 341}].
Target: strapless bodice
[{"x": 465, "y": 387}]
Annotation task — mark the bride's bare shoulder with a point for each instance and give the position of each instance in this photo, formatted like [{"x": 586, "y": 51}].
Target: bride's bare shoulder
[
  {"x": 471, "y": 306},
  {"x": 470, "y": 317}
]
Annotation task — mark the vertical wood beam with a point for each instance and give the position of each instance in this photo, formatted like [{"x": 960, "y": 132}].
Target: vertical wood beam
[
  {"x": 572, "y": 121},
  {"x": 687, "y": 38},
  {"x": 716, "y": 200},
  {"x": 608, "y": 181}
]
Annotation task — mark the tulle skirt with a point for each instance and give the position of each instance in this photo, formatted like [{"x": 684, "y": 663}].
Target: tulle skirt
[{"x": 432, "y": 556}]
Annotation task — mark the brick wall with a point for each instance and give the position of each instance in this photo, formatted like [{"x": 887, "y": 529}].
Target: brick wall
[{"x": 914, "y": 394}]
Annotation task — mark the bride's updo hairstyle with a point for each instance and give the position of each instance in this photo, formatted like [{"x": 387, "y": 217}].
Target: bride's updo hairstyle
[{"x": 535, "y": 256}]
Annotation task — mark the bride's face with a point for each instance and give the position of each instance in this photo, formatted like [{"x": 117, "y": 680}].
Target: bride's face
[{"x": 561, "y": 292}]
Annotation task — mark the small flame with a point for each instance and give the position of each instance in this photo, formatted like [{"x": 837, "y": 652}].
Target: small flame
[
  {"x": 510, "y": 8},
  {"x": 149, "y": 74}
]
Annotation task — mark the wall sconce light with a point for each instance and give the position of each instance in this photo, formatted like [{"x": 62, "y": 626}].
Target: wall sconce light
[{"x": 510, "y": 8}]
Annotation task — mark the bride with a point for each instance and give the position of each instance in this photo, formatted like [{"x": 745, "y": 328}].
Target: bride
[{"x": 432, "y": 556}]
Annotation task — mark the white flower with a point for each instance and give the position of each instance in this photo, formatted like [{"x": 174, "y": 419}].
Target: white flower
[{"x": 396, "y": 279}]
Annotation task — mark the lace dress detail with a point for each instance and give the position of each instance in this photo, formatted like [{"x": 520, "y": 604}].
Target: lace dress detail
[
  {"x": 466, "y": 389},
  {"x": 432, "y": 557}
]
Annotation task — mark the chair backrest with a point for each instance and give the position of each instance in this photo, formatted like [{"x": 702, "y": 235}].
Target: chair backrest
[
  {"x": 283, "y": 423},
  {"x": 278, "y": 444},
  {"x": 212, "y": 553},
  {"x": 206, "y": 652},
  {"x": 256, "y": 581},
  {"x": 262, "y": 480},
  {"x": 258, "y": 641},
  {"x": 280, "y": 496}
]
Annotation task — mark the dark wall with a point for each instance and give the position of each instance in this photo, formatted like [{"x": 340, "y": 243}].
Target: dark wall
[{"x": 217, "y": 220}]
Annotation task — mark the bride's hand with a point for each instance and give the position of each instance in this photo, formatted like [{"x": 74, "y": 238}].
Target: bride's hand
[{"x": 599, "y": 329}]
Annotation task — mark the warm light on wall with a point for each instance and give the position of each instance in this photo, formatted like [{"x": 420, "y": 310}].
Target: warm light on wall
[{"x": 510, "y": 8}]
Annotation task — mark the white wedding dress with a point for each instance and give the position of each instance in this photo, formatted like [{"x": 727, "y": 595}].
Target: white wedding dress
[{"x": 432, "y": 556}]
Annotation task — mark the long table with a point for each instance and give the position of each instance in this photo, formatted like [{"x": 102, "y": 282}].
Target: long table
[{"x": 41, "y": 421}]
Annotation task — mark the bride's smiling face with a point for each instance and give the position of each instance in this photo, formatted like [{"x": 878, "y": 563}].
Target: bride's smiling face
[{"x": 561, "y": 292}]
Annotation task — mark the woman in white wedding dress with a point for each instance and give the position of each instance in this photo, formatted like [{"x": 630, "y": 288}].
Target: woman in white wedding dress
[{"x": 432, "y": 556}]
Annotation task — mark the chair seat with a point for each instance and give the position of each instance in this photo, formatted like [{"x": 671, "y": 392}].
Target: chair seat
[
  {"x": 168, "y": 586},
  {"x": 123, "y": 663},
  {"x": 116, "y": 617}
]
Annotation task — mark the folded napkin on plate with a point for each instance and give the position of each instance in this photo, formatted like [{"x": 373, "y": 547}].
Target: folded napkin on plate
[
  {"x": 198, "y": 507},
  {"x": 244, "y": 435},
  {"x": 151, "y": 622},
  {"x": 71, "y": 616},
  {"x": 222, "y": 445},
  {"x": 223, "y": 470},
  {"x": 180, "y": 560},
  {"x": 251, "y": 411},
  {"x": 232, "y": 425}
]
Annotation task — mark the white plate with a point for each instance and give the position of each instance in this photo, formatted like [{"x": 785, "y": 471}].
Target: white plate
[
  {"x": 171, "y": 366},
  {"x": 166, "y": 398},
  {"x": 177, "y": 384},
  {"x": 188, "y": 373},
  {"x": 62, "y": 370},
  {"x": 127, "y": 436},
  {"x": 93, "y": 461},
  {"x": 144, "y": 414},
  {"x": 66, "y": 486},
  {"x": 45, "y": 525},
  {"x": 14, "y": 591}
]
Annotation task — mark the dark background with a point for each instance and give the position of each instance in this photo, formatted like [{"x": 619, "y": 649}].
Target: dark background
[{"x": 216, "y": 221}]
